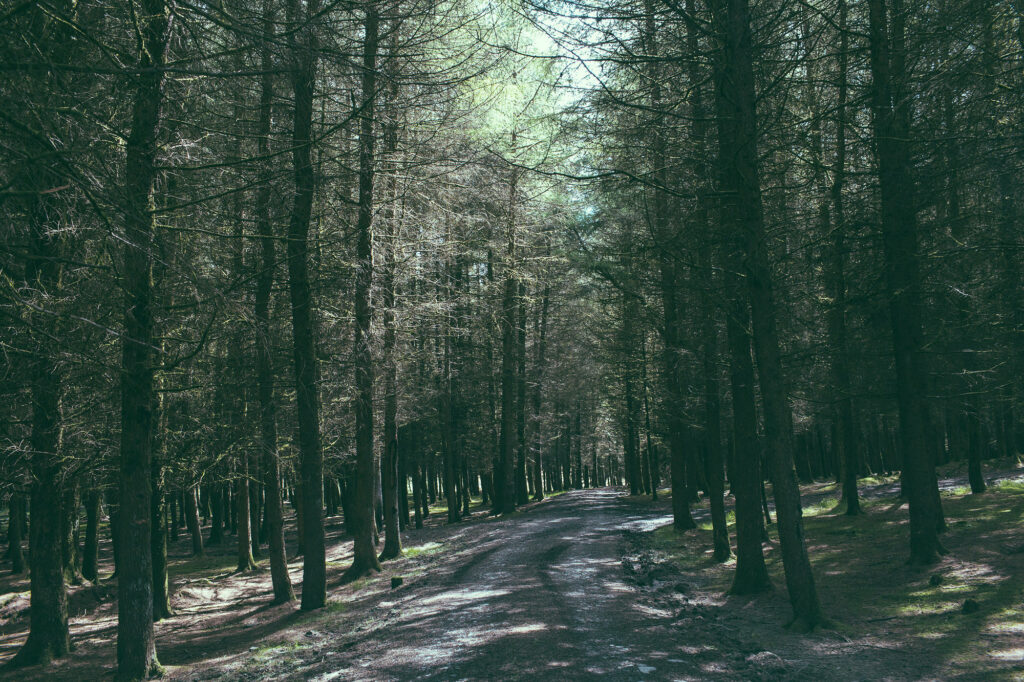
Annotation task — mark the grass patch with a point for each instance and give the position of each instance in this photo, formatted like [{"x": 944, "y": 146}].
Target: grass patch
[
  {"x": 428, "y": 549},
  {"x": 866, "y": 586}
]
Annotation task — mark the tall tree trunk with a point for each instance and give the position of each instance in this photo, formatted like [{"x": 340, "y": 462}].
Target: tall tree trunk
[
  {"x": 270, "y": 465},
  {"x": 522, "y": 494},
  {"x": 448, "y": 391},
  {"x": 743, "y": 213},
  {"x": 899, "y": 237},
  {"x": 393, "y": 485},
  {"x": 48, "y": 616},
  {"x": 136, "y": 647},
  {"x": 304, "y": 45},
  {"x": 364, "y": 557},
  {"x": 540, "y": 333},
  {"x": 846, "y": 430},
  {"x": 666, "y": 236},
  {"x": 505, "y": 485}
]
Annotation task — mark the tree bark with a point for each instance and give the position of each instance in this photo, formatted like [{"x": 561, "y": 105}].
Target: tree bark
[
  {"x": 303, "y": 44},
  {"x": 505, "y": 490},
  {"x": 899, "y": 238},
  {"x": 136, "y": 647},
  {"x": 522, "y": 492},
  {"x": 192, "y": 521},
  {"x": 364, "y": 558},
  {"x": 846, "y": 431},
  {"x": 16, "y": 522},
  {"x": 390, "y": 465},
  {"x": 743, "y": 213},
  {"x": 48, "y": 636},
  {"x": 270, "y": 461},
  {"x": 540, "y": 333}
]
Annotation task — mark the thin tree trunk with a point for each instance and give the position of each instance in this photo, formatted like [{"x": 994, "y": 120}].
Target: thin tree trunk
[
  {"x": 192, "y": 521},
  {"x": 48, "y": 616},
  {"x": 743, "y": 213},
  {"x": 245, "y": 534},
  {"x": 158, "y": 536},
  {"x": 522, "y": 494},
  {"x": 16, "y": 523},
  {"x": 540, "y": 332},
  {"x": 269, "y": 459},
  {"x": 505, "y": 485},
  {"x": 311, "y": 460},
  {"x": 846, "y": 430},
  {"x": 393, "y": 485},
  {"x": 899, "y": 237},
  {"x": 364, "y": 558},
  {"x": 136, "y": 647}
]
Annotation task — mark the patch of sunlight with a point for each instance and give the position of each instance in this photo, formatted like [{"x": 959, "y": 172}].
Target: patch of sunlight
[
  {"x": 6, "y": 599},
  {"x": 953, "y": 589},
  {"x": 335, "y": 607},
  {"x": 878, "y": 480},
  {"x": 462, "y": 596},
  {"x": 1006, "y": 628},
  {"x": 1010, "y": 485},
  {"x": 695, "y": 650},
  {"x": 525, "y": 629},
  {"x": 825, "y": 505},
  {"x": 274, "y": 651},
  {"x": 616, "y": 587},
  {"x": 932, "y": 635},
  {"x": 1016, "y": 654},
  {"x": 423, "y": 550},
  {"x": 935, "y": 608}
]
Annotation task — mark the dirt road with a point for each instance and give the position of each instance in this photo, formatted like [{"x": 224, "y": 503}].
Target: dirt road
[{"x": 543, "y": 595}]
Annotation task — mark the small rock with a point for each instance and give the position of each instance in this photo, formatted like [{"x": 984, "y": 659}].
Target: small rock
[
  {"x": 970, "y": 606},
  {"x": 936, "y": 580},
  {"x": 645, "y": 669},
  {"x": 397, "y": 582},
  {"x": 253, "y": 648}
]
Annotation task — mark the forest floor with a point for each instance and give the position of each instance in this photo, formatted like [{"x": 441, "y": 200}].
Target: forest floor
[{"x": 594, "y": 583}]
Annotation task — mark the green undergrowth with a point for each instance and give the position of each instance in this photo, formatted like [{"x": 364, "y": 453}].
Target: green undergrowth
[{"x": 867, "y": 588}]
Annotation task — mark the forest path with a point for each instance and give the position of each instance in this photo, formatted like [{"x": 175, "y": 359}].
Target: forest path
[{"x": 543, "y": 595}]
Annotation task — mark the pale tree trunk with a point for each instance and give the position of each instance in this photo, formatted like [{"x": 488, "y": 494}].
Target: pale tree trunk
[{"x": 540, "y": 333}]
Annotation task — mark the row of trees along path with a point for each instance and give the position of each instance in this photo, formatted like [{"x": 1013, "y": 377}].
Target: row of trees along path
[{"x": 268, "y": 255}]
